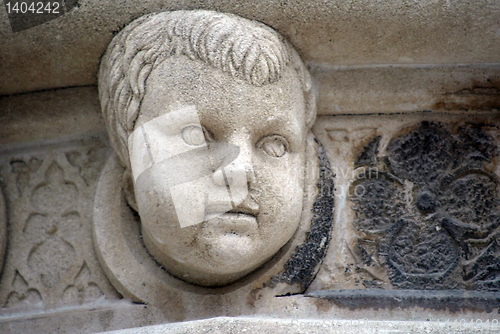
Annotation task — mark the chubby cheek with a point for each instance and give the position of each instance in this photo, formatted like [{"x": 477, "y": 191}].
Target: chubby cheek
[
  {"x": 280, "y": 198},
  {"x": 157, "y": 212}
]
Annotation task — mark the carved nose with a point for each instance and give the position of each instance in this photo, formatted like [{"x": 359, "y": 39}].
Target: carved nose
[
  {"x": 234, "y": 175},
  {"x": 218, "y": 178},
  {"x": 426, "y": 202}
]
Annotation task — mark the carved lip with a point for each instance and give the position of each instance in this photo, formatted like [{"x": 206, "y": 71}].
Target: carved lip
[
  {"x": 220, "y": 209},
  {"x": 240, "y": 220},
  {"x": 244, "y": 211},
  {"x": 235, "y": 222},
  {"x": 238, "y": 215},
  {"x": 248, "y": 207}
]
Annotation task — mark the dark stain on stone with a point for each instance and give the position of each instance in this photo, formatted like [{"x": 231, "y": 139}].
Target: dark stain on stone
[
  {"x": 434, "y": 218},
  {"x": 302, "y": 267},
  {"x": 322, "y": 305},
  {"x": 479, "y": 96},
  {"x": 369, "y": 154},
  {"x": 453, "y": 301},
  {"x": 105, "y": 318}
]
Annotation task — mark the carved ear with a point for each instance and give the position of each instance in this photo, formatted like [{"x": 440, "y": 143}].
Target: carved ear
[{"x": 128, "y": 189}]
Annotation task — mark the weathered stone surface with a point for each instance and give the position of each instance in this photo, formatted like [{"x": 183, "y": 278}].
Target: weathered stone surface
[
  {"x": 351, "y": 133},
  {"x": 43, "y": 116},
  {"x": 409, "y": 94},
  {"x": 390, "y": 299},
  {"x": 406, "y": 88},
  {"x": 65, "y": 52},
  {"x": 263, "y": 325},
  {"x": 87, "y": 318},
  {"x": 435, "y": 213},
  {"x": 417, "y": 202},
  {"x": 3, "y": 229},
  {"x": 50, "y": 260}
]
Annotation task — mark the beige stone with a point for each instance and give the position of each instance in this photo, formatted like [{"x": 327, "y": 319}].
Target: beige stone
[
  {"x": 207, "y": 221},
  {"x": 265, "y": 325},
  {"x": 408, "y": 90},
  {"x": 65, "y": 52},
  {"x": 43, "y": 116}
]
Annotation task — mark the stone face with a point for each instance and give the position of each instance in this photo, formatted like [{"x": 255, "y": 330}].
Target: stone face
[
  {"x": 216, "y": 140},
  {"x": 136, "y": 275},
  {"x": 264, "y": 194}
]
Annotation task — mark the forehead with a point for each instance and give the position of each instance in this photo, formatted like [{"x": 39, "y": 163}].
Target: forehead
[{"x": 179, "y": 81}]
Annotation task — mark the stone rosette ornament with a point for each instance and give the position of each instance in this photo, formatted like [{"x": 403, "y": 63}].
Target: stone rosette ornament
[{"x": 431, "y": 216}]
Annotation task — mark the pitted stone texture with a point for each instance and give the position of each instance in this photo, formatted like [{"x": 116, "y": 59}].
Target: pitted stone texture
[
  {"x": 217, "y": 206},
  {"x": 450, "y": 300},
  {"x": 417, "y": 202},
  {"x": 302, "y": 326},
  {"x": 50, "y": 260},
  {"x": 448, "y": 217},
  {"x": 65, "y": 52}
]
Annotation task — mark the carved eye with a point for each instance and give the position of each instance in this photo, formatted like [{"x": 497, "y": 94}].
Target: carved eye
[
  {"x": 274, "y": 146},
  {"x": 193, "y": 135}
]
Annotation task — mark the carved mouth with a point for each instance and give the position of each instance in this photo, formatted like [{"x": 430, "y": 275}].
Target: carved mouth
[
  {"x": 241, "y": 220},
  {"x": 238, "y": 216},
  {"x": 230, "y": 222},
  {"x": 244, "y": 211},
  {"x": 220, "y": 209}
]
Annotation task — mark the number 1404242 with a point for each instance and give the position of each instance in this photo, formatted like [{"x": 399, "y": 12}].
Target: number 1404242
[{"x": 32, "y": 7}]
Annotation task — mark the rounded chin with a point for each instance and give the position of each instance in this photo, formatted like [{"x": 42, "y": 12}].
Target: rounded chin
[{"x": 230, "y": 257}]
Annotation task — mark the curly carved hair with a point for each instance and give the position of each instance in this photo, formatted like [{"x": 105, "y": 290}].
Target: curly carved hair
[{"x": 245, "y": 49}]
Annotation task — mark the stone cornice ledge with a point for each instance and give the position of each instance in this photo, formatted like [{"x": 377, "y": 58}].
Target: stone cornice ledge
[
  {"x": 407, "y": 88},
  {"x": 278, "y": 326}
]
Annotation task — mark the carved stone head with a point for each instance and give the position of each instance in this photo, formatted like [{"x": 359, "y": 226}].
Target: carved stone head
[{"x": 209, "y": 114}]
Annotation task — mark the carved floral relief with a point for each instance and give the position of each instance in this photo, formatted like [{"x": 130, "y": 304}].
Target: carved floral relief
[
  {"x": 431, "y": 216},
  {"x": 50, "y": 259}
]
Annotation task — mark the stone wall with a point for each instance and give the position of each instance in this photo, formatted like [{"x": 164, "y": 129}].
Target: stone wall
[{"x": 409, "y": 123}]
